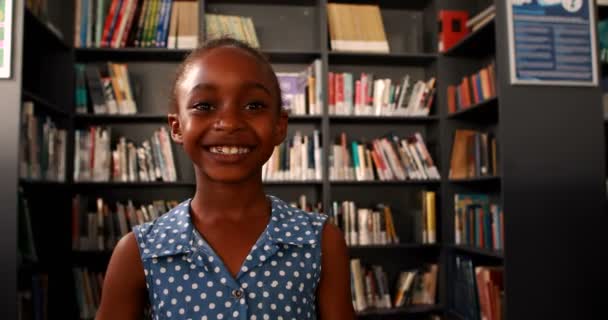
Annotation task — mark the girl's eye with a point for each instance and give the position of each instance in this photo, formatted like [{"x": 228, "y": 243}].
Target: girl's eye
[
  {"x": 203, "y": 106},
  {"x": 254, "y": 106}
]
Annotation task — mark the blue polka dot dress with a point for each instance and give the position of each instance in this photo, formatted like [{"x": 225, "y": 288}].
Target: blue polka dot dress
[{"x": 186, "y": 279}]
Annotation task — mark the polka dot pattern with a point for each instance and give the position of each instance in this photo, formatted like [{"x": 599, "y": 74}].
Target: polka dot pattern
[{"x": 188, "y": 280}]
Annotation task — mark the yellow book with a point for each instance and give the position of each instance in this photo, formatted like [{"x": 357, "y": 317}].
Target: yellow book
[{"x": 429, "y": 198}]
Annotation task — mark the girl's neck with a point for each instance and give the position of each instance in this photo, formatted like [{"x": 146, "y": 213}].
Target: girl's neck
[{"x": 234, "y": 201}]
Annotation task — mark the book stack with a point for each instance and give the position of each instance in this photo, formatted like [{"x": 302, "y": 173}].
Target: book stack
[
  {"x": 221, "y": 25},
  {"x": 42, "y": 150},
  {"x": 478, "y": 222},
  {"x": 296, "y": 159},
  {"x": 88, "y": 291},
  {"x": 478, "y": 290},
  {"x": 370, "y": 288},
  {"x": 375, "y": 226},
  {"x": 94, "y": 161},
  {"x": 101, "y": 228},
  {"x": 473, "y": 155},
  {"x": 364, "y": 226},
  {"x": 379, "y": 97},
  {"x": 473, "y": 89},
  {"x": 356, "y": 27},
  {"x": 133, "y": 23},
  {"x": 481, "y": 19},
  {"x": 386, "y": 158},
  {"x": 108, "y": 86},
  {"x": 301, "y": 91}
]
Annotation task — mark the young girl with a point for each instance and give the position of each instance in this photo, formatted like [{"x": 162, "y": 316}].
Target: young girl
[{"x": 231, "y": 251}]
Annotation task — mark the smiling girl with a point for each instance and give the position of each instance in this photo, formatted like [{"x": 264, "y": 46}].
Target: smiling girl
[{"x": 231, "y": 251}]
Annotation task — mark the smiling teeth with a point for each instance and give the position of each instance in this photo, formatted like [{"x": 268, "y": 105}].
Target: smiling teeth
[{"x": 229, "y": 150}]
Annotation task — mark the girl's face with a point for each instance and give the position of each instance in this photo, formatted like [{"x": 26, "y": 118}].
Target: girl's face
[{"x": 228, "y": 119}]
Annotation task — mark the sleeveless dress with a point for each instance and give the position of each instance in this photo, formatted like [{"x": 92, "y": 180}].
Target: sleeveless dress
[{"x": 186, "y": 279}]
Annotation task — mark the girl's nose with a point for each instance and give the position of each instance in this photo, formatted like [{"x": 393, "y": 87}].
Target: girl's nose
[{"x": 228, "y": 119}]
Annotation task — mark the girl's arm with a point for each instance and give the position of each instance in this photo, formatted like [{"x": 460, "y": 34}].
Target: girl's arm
[
  {"x": 124, "y": 291},
  {"x": 333, "y": 295}
]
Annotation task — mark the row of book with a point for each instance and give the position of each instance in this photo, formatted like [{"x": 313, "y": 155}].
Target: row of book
[
  {"x": 454, "y": 25},
  {"x": 33, "y": 301},
  {"x": 379, "y": 97},
  {"x": 297, "y": 158},
  {"x": 126, "y": 162},
  {"x": 474, "y": 154},
  {"x": 356, "y": 27},
  {"x": 88, "y": 291},
  {"x": 386, "y": 158},
  {"x": 136, "y": 23},
  {"x": 375, "y": 226},
  {"x": 370, "y": 287},
  {"x": 42, "y": 148},
  {"x": 478, "y": 290},
  {"x": 301, "y": 91},
  {"x": 473, "y": 89},
  {"x": 100, "y": 225},
  {"x": 238, "y": 27},
  {"x": 106, "y": 87},
  {"x": 364, "y": 226},
  {"x": 478, "y": 222}
]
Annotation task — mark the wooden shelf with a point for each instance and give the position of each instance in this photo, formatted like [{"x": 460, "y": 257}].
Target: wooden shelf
[
  {"x": 490, "y": 179},
  {"x": 134, "y": 184},
  {"x": 178, "y": 55},
  {"x": 372, "y": 58},
  {"x": 129, "y": 54},
  {"x": 485, "y": 111},
  {"x": 41, "y": 183},
  {"x": 118, "y": 118},
  {"x": 392, "y": 182},
  {"x": 292, "y": 56},
  {"x": 47, "y": 106},
  {"x": 476, "y": 44},
  {"x": 298, "y": 118},
  {"x": 293, "y": 183},
  {"x": 400, "y": 119},
  {"x": 401, "y": 246},
  {"x": 478, "y": 251},
  {"x": 409, "y": 310},
  {"x": 385, "y": 4}
]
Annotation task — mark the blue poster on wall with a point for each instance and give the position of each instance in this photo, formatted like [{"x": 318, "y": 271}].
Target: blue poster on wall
[{"x": 552, "y": 42}]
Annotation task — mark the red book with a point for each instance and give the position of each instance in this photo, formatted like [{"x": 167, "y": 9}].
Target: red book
[
  {"x": 339, "y": 82},
  {"x": 332, "y": 92},
  {"x": 106, "y": 36},
  {"x": 452, "y": 28}
]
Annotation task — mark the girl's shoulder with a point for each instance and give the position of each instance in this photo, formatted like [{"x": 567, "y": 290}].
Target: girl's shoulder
[
  {"x": 291, "y": 225},
  {"x": 166, "y": 235}
]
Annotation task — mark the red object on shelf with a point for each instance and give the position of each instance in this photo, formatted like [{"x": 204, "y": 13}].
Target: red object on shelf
[{"x": 452, "y": 28}]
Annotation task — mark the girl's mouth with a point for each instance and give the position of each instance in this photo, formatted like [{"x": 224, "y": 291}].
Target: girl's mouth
[{"x": 229, "y": 150}]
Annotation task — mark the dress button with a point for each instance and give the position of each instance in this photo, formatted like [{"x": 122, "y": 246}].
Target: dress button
[{"x": 237, "y": 293}]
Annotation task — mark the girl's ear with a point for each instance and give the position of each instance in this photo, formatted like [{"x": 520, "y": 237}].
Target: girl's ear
[
  {"x": 281, "y": 131},
  {"x": 176, "y": 130}
]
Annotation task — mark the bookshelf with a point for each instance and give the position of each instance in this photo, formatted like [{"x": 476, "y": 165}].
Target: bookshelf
[{"x": 521, "y": 126}]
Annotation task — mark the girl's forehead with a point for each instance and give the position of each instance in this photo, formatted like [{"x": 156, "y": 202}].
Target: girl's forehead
[{"x": 219, "y": 63}]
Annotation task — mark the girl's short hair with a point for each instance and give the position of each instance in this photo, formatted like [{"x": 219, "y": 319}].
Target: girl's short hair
[{"x": 221, "y": 43}]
